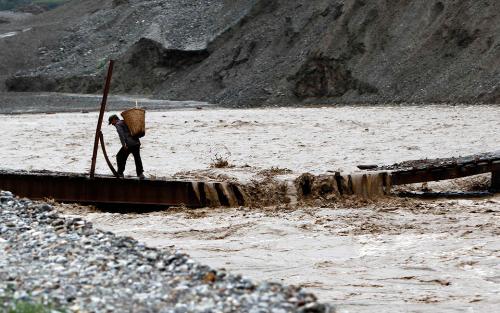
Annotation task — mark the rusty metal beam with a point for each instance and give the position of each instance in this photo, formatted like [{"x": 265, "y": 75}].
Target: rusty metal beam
[
  {"x": 68, "y": 187},
  {"x": 436, "y": 173},
  {"x": 101, "y": 116}
]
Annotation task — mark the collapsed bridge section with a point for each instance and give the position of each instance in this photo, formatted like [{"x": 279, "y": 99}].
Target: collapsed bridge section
[
  {"x": 419, "y": 171},
  {"x": 375, "y": 180}
]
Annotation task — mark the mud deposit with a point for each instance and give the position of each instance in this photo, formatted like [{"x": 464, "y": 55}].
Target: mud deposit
[{"x": 389, "y": 255}]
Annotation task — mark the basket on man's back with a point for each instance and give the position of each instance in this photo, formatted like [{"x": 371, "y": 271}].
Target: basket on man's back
[{"x": 135, "y": 120}]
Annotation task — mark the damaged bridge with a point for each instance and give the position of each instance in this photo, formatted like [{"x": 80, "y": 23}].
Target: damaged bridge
[
  {"x": 69, "y": 187},
  {"x": 378, "y": 180},
  {"x": 419, "y": 171},
  {"x": 98, "y": 189}
]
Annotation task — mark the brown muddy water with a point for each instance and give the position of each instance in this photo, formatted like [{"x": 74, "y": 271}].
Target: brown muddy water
[
  {"x": 393, "y": 255},
  {"x": 384, "y": 255}
]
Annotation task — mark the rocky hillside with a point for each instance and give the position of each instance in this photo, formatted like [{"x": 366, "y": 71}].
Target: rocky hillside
[{"x": 263, "y": 52}]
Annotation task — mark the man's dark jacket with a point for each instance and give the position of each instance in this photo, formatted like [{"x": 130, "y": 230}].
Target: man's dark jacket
[{"x": 125, "y": 136}]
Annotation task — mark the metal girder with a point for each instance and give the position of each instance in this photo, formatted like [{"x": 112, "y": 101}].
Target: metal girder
[
  {"x": 68, "y": 187},
  {"x": 436, "y": 173}
]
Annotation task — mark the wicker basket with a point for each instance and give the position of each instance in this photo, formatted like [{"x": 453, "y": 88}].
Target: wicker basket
[{"x": 135, "y": 120}]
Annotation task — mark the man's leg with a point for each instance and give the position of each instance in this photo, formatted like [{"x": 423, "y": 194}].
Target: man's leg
[
  {"x": 121, "y": 160},
  {"x": 136, "y": 152}
]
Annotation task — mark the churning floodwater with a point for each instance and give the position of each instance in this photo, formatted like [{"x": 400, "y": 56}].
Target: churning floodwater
[{"x": 391, "y": 255}]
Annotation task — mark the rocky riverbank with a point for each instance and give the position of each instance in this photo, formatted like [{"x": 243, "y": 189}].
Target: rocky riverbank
[{"x": 66, "y": 262}]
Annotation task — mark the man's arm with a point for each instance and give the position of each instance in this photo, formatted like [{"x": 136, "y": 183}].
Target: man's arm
[{"x": 121, "y": 134}]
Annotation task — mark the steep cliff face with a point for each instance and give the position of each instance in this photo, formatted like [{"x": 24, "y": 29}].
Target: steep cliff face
[
  {"x": 356, "y": 52},
  {"x": 258, "y": 52},
  {"x": 70, "y": 45}
]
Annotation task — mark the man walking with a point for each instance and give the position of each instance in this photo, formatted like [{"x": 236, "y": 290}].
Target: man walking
[{"x": 129, "y": 145}]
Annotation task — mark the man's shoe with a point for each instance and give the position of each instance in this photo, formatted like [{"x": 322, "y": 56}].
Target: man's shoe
[{"x": 141, "y": 177}]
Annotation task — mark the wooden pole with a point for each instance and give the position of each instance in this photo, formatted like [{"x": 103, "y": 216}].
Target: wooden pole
[{"x": 101, "y": 116}]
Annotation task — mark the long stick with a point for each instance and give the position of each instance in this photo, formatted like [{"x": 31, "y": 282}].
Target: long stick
[
  {"x": 103, "y": 147},
  {"x": 101, "y": 115}
]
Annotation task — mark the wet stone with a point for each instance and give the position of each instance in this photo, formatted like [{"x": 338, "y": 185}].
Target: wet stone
[{"x": 4, "y": 199}]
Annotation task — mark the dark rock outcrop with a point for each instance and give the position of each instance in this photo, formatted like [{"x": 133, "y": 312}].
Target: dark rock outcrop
[{"x": 323, "y": 77}]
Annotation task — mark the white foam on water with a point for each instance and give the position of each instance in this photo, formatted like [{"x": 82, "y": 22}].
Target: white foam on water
[{"x": 292, "y": 192}]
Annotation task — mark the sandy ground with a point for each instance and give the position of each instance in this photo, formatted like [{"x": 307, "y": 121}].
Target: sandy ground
[{"x": 392, "y": 255}]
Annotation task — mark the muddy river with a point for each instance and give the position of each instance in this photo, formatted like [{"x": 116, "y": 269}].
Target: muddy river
[{"x": 390, "y": 255}]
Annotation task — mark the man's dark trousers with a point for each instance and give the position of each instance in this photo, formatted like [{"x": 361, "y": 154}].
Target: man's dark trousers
[{"x": 122, "y": 156}]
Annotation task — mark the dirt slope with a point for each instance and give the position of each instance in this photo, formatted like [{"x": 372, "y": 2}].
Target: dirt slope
[{"x": 256, "y": 52}]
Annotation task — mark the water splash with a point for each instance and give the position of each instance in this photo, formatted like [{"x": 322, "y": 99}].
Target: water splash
[{"x": 369, "y": 186}]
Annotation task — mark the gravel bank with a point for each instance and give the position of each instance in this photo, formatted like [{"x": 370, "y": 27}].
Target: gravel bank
[{"x": 66, "y": 262}]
